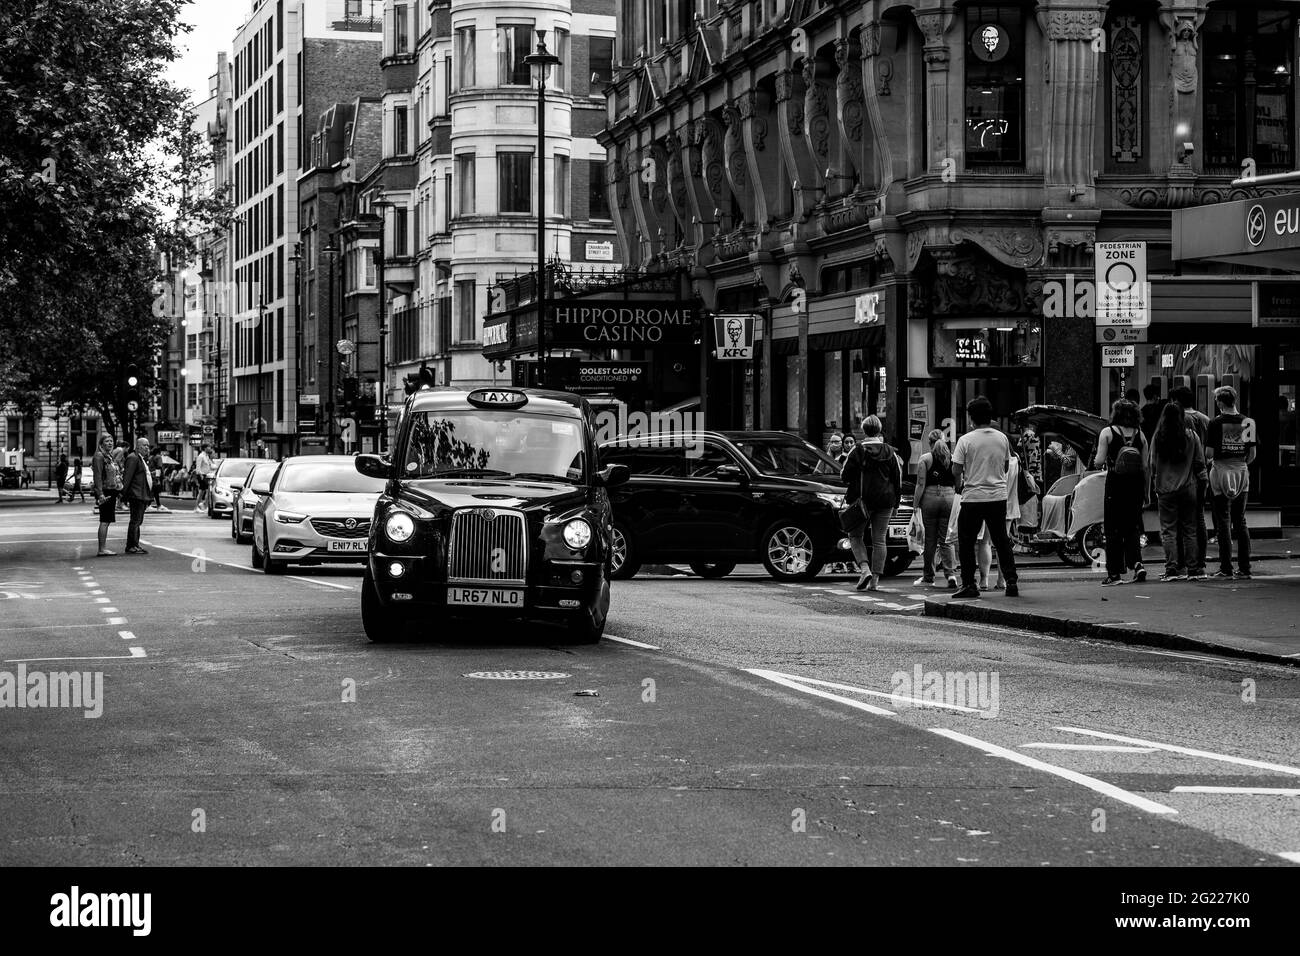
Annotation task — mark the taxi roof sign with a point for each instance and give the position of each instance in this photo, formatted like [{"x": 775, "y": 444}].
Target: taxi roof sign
[{"x": 497, "y": 398}]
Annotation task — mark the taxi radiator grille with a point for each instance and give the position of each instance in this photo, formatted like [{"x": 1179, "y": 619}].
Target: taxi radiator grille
[
  {"x": 483, "y": 549},
  {"x": 334, "y": 528}
]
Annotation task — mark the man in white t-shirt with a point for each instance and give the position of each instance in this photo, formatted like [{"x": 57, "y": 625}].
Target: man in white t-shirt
[{"x": 980, "y": 464}]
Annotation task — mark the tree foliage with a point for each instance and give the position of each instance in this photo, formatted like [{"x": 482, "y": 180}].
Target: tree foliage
[{"x": 97, "y": 161}]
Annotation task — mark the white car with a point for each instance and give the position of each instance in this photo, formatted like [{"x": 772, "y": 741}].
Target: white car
[
  {"x": 226, "y": 482},
  {"x": 241, "y": 516},
  {"x": 316, "y": 509}
]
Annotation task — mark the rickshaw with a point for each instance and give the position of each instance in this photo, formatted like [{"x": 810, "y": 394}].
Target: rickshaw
[{"x": 1072, "y": 508}]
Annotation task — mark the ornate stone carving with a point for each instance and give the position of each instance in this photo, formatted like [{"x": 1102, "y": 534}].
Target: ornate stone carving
[
  {"x": 1126, "y": 89},
  {"x": 848, "y": 88},
  {"x": 1184, "y": 46},
  {"x": 918, "y": 295},
  {"x": 1074, "y": 237},
  {"x": 1014, "y": 247},
  {"x": 915, "y": 244},
  {"x": 934, "y": 25},
  {"x": 784, "y": 85},
  {"x": 966, "y": 283},
  {"x": 816, "y": 119},
  {"x": 1070, "y": 24},
  {"x": 734, "y": 148},
  {"x": 870, "y": 39}
]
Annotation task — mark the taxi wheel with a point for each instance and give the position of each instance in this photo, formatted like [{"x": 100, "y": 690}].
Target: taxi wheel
[
  {"x": 588, "y": 625},
  {"x": 719, "y": 569},
  {"x": 623, "y": 562},
  {"x": 788, "y": 552},
  {"x": 382, "y": 625},
  {"x": 269, "y": 565}
]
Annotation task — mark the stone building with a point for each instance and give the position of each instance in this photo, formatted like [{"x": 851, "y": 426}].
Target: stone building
[{"x": 904, "y": 194}]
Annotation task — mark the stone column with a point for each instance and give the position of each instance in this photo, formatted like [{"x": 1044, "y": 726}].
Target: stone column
[
  {"x": 943, "y": 138},
  {"x": 1074, "y": 41},
  {"x": 1182, "y": 26}
]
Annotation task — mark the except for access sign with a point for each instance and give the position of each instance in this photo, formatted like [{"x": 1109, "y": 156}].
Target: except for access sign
[
  {"x": 1118, "y": 356},
  {"x": 735, "y": 336},
  {"x": 1123, "y": 293}
]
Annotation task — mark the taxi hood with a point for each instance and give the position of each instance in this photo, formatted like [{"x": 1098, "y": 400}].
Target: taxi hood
[{"x": 439, "y": 494}]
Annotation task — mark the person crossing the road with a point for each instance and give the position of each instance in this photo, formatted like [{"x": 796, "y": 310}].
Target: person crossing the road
[
  {"x": 106, "y": 480},
  {"x": 61, "y": 477},
  {"x": 981, "y": 463},
  {"x": 873, "y": 474},
  {"x": 137, "y": 490},
  {"x": 202, "y": 474}
]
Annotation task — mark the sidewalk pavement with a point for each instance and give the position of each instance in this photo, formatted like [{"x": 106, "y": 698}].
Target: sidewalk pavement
[{"x": 1257, "y": 619}]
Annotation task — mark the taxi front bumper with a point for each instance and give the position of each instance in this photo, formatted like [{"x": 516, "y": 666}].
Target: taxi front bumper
[{"x": 555, "y": 587}]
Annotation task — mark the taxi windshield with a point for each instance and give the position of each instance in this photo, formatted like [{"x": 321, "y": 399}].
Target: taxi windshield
[
  {"x": 788, "y": 459},
  {"x": 486, "y": 443}
]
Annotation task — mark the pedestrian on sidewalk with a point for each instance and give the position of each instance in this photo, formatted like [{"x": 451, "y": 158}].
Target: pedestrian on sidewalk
[
  {"x": 1151, "y": 411},
  {"x": 137, "y": 490},
  {"x": 1018, "y": 480},
  {"x": 1199, "y": 423},
  {"x": 981, "y": 461},
  {"x": 106, "y": 480},
  {"x": 156, "y": 478},
  {"x": 1121, "y": 450},
  {"x": 1178, "y": 467},
  {"x": 935, "y": 487},
  {"x": 77, "y": 489},
  {"x": 203, "y": 468},
  {"x": 847, "y": 444},
  {"x": 1230, "y": 449},
  {"x": 873, "y": 473},
  {"x": 61, "y": 477}
]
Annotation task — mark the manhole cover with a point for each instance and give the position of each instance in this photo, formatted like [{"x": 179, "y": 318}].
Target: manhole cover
[{"x": 517, "y": 675}]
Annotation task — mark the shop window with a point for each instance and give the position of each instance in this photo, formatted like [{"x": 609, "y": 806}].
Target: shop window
[
  {"x": 833, "y": 390},
  {"x": 1249, "y": 63},
  {"x": 995, "y": 85},
  {"x": 978, "y": 344}
]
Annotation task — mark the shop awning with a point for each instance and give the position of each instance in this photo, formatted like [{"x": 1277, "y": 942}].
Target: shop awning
[{"x": 1263, "y": 233}]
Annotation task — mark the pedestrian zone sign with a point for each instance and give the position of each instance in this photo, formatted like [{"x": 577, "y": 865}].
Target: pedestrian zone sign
[{"x": 1123, "y": 293}]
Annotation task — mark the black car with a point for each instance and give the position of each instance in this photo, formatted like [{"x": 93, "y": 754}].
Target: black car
[
  {"x": 495, "y": 506},
  {"x": 715, "y": 499}
]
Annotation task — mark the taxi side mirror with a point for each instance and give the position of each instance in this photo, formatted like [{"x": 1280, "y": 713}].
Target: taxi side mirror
[
  {"x": 262, "y": 488},
  {"x": 611, "y": 476},
  {"x": 373, "y": 466}
]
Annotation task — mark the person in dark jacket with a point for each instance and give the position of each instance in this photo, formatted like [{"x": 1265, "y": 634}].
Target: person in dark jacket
[
  {"x": 61, "y": 477},
  {"x": 873, "y": 473},
  {"x": 107, "y": 478},
  {"x": 136, "y": 491},
  {"x": 1178, "y": 468},
  {"x": 1122, "y": 451}
]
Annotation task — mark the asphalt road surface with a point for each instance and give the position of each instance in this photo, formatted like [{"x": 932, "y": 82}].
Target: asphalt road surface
[{"x": 246, "y": 720}]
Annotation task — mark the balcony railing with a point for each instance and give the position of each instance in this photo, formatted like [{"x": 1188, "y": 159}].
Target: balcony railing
[{"x": 360, "y": 24}]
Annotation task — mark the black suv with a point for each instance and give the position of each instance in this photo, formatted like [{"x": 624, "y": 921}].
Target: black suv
[
  {"x": 494, "y": 506},
  {"x": 714, "y": 499}
]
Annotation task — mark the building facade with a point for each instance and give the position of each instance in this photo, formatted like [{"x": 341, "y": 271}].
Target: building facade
[{"x": 908, "y": 195}]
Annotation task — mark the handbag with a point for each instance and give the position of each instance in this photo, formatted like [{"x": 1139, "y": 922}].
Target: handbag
[
  {"x": 852, "y": 520},
  {"x": 916, "y": 533}
]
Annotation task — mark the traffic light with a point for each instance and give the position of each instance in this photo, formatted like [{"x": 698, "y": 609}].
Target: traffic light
[{"x": 349, "y": 396}]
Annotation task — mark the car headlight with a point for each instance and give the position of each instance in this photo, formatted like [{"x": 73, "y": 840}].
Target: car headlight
[
  {"x": 835, "y": 501},
  {"x": 289, "y": 517},
  {"x": 221, "y": 492},
  {"x": 577, "y": 534},
  {"x": 399, "y": 526}
]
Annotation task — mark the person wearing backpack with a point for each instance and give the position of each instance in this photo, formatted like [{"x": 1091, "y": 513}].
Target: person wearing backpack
[
  {"x": 1230, "y": 449},
  {"x": 1121, "y": 450},
  {"x": 873, "y": 474}
]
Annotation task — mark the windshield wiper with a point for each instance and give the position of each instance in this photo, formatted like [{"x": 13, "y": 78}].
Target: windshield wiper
[
  {"x": 540, "y": 476},
  {"x": 464, "y": 473}
]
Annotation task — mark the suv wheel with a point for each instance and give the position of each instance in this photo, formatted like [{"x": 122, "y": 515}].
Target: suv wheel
[
  {"x": 623, "y": 562},
  {"x": 718, "y": 569},
  {"x": 788, "y": 553}
]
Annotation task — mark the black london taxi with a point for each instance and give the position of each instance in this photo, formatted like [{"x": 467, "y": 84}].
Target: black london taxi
[
  {"x": 495, "y": 507},
  {"x": 714, "y": 499}
]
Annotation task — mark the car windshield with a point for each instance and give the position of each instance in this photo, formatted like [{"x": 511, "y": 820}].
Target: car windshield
[
  {"x": 234, "y": 470},
  {"x": 334, "y": 477},
  {"x": 488, "y": 443},
  {"x": 262, "y": 472},
  {"x": 789, "y": 459}
]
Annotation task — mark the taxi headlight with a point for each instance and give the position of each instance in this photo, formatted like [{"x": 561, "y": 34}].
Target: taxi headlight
[
  {"x": 399, "y": 526},
  {"x": 577, "y": 534}
]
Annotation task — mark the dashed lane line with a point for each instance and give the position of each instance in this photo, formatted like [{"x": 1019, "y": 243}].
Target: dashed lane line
[
  {"x": 126, "y": 635},
  {"x": 1092, "y": 783},
  {"x": 1243, "y": 791},
  {"x": 108, "y": 610},
  {"x": 1187, "y": 751},
  {"x": 632, "y": 643}
]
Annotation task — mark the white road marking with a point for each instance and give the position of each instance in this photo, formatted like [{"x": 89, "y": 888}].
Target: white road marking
[
  {"x": 112, "y": 620},
  {"x": 1193, "y": 657},
  {"x": 1209, "y": 755},
  {"x": 108, "y": 610},
  {"x": 1092, "y": 783},
  {"x": 897, "y": 698},
  {"x": 126, "y": 635},
  {"x": 1293, "y": 856},
  {"x": 1093, "y": 748},
  {"x": 135, "y": 652},
  {"x": 244, "y": 567},
  {"x": 93, "y": 593},
  {"x": 101, "y": 600},
  {"x": 1245, "y": 791},
  {"x": 866, "y": 597},
  {"x": 785, "y": 681},
  {"x": 61, "y": 627},
  {"x": 328, "y": 584},
  {"x": 632, "y": 643},
  {"x": 1119, "y": 623}
]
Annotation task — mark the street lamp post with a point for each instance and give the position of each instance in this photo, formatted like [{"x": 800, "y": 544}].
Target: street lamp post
[
  {"x": 331, "y": 250},
  {"x": 261, "y": 342},
  {"x": 381, "y": 392},
  {"x": 541, "y": 61},
  {"x": 296, "y": 259}
]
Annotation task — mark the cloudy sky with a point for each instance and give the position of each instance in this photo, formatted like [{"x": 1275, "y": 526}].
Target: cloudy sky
[{"x": 215, "y": 23}]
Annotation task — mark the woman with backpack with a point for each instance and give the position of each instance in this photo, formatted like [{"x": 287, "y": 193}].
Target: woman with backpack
[
  {"x": 1121, "y": 450},
  {"x": 1178, "y": 463},
  {"x": 933, "y": 499},
  {"x": 873, "y": 473}
]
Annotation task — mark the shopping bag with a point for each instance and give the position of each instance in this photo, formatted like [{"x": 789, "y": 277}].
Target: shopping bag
[{"x": 916, "y": 533}]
